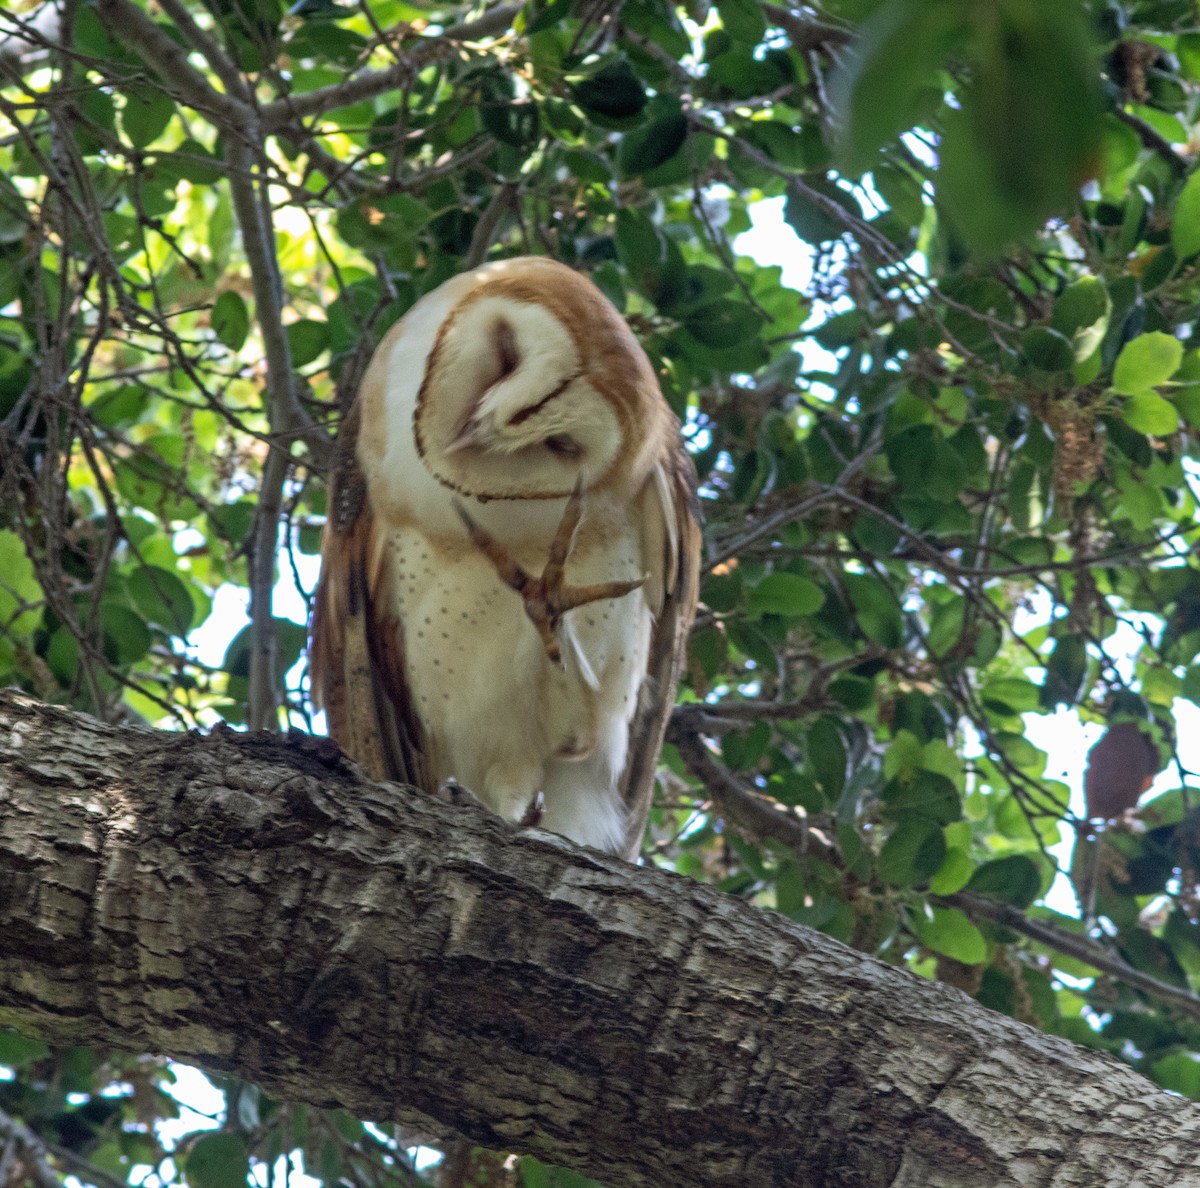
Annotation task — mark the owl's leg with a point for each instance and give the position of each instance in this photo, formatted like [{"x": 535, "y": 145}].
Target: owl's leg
[{"x": 547, "y": 598}]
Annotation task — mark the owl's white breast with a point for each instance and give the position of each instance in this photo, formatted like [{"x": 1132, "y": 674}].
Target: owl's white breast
[{"x": 496, "y": 714}]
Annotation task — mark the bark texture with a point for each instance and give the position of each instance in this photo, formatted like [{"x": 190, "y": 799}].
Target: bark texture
[{"x": 252, "y": 905}]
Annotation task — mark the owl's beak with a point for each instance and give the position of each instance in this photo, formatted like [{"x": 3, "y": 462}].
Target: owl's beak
[{"x": 468, "y": 435}]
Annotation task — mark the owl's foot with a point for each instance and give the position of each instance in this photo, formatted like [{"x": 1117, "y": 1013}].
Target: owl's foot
[
  {"x": 547, "y": 598},
  {"x": 533, "y": 815},
  {"x": 452, "y": 792}
]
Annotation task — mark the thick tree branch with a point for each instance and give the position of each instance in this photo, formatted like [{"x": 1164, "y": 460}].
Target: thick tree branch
[
  {"x": 253, "y": 905},
  {"x": 131, "y": 26}
]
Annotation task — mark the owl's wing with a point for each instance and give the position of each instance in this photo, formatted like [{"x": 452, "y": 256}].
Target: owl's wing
[
  {"x": 672, "y": 547},
  {"x": 357, "y": 652}
]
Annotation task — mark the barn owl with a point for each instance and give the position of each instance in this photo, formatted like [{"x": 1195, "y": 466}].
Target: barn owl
[{"x": 511, "y": 556}]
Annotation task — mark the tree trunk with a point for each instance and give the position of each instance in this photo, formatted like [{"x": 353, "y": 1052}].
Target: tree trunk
[{"x": 252, "y": 905}]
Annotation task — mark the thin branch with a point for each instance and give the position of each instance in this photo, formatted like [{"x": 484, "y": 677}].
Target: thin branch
[
  {"x": 793, "y": 511},
  {"x": 287, "y": 416},
  {"x": 1152, "y": 139},
  {"x": 284, "y": 414},
  {"x": 278, "y": 115},
  {"x": 30, "y": 1154},
  {"x": 25, "y": 1149},
  {"x": 1081, "y": 948},
  {"x": 206, "y": 45},
  {"x": 749, "y": 809},
  {"x": 805, "y": 33},
  {"x": 489, "y": 223}
]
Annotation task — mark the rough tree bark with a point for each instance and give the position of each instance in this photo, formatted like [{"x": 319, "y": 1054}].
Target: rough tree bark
[{"x": 253, "y": 905}]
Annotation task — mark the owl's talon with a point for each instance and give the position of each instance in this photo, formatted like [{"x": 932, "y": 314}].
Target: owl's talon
[
  {"x": 452, "y": 792},
  {"x": 534, "y": 813},
  {"x": 547, "y": 598}
]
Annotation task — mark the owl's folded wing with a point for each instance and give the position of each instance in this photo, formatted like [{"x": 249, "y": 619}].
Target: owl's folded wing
[
  {"x": 357, "y": 651},
  {"x": 672, "y": 548}
]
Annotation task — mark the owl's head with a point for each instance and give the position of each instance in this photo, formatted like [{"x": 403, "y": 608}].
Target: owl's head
[{"x": 532, "y": 383}]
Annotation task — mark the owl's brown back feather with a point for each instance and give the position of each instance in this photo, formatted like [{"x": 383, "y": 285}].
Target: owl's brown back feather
[
  {"x": 357, "y": 653},
  {"x": 680, "y": 562}
]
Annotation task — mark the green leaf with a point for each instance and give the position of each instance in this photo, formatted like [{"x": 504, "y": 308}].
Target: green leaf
[
  {"x": 902, "y": 759},
  {"x": 785, "y": 594},
  {"x": 146, "y": 114},
  {"x": 1148, "y": 412},
  {"x": 1179, "y": 1072},
  {"x": 950, "y": 933},
  {"x": 1081, "y": 314},
  {"x": 1066, "y": 672},
  {"x": 1047, "y": 349},
  {"x": 231, "y": 319},
  {"x": 876, "y": 611},
  {"x": 218, "y": 1161},
  {"x": 826, "y": 752},
  {"x": 17, "y": 1051},
  {"x": 814, "y": 215},
  {"x": 18, "y": 587},
  {"x": 884, "y": 86},
  {"x": 162, "y": 598},
  {"x": 1185, "y": 223},
  {"x": 126, "y": 637},
  {"x": 1145, "y": 362},
  {"x": 307, "y": 338},
  {"x": 954, "y": 873},
  {"x": 613, "y": 93},
  {"x": 662, "y": 137},
  {"x": 191, "y": 160},
  {"x": 1014, "y": 879},
  {"x": 638, "y": 241},
  {"x": 1025, "y": 60},
  {"x": 1010, "y": 695},
  {"x": 743, "y": 20},
  {"x": 120, "y": 406},
  {"x": 724, "y": 323},
  {"x": 914, "y": 851},
  {"x": 1187, "y": 46}
]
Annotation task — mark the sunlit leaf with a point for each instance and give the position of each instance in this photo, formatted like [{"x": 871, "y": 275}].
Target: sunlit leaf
[{"x": 1145, "y": 362}]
